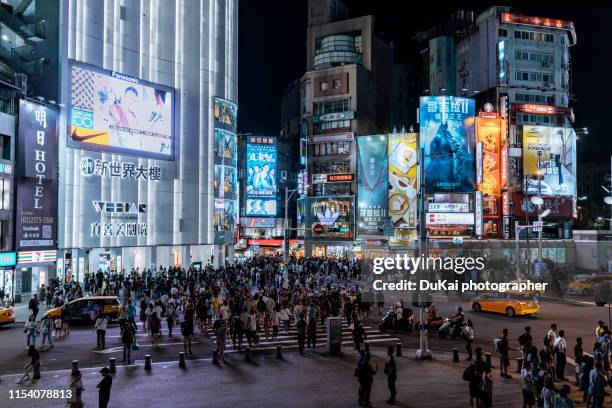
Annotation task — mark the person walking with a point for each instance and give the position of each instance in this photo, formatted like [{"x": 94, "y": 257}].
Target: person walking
[
  {"x": 468, "y": 337},
  {"x": 187, "y": 332},
  {"x": 359, "y": 335},
  {"x": 131, "y": 314},
  {"x": 598, "y": 382},
  {"x": 548, "y": 393},
  {"x": 33, "y": 306},
  {"x": 170, "y": 317},
  {"x": 155, "y": 327},
  {"x": 312, "y": 333},
  {"x": 301, "y": 333},
  {"x": 578, "y": 358},
  {"x": 391, "y": 373},
  {"x": 65, "y": 317},
  {"x": 486, "y": 398},
  {"x": 366, "y": 378},
  {"x": 527, "y": 385},
  {"x": 504, "y": 354},
  {"x": 562, "y": 399},
  {"x": 47, "y": 331},
  {"x": 33, "y": 365},
  {"x": 31, "y": 331},
  {"x": 105, "y": 388},
  {"x": 100, "y": 328},
  {"x": 275, "y": 321},
  {"x": 220, "y": 330},
  {"x": 286, "y": 318},
  {"x": 127, "y": 340},
  {"x": 560, "y": 347}
]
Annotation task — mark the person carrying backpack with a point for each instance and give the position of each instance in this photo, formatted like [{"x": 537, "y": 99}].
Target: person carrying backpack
[{"x": 187, "y": 332}]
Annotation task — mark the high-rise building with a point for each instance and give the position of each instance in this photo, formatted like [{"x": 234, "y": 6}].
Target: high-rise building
[
  {"x": 345, "y": 92},
  {"x": 517, "y": 68},
  {"x": 145, "y": 156}
]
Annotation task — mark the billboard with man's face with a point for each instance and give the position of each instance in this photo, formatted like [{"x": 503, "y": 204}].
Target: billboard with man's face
[
  {"x": 447, "y": 135},
  {"x": 261, "y": 185},
  {"x": 556, "y": 147},
  {"x": 116, "y": 113}
]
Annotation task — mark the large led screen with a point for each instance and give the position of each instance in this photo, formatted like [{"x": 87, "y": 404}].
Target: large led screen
[
  {"x": 225, "y": 182},
  {"x": 447, "y": 135},
  {"x": 225, "y": 113},
  {"x": 557, "y": 163},
  {"x": 226, "y": 150},
  {"x": 330, "y": 218},
  {"x": 261, "y": 188},
  {"x": 403, "y": 180},
  {"x": 372, "y": 184},
  {"x": 117, "y": 113}
]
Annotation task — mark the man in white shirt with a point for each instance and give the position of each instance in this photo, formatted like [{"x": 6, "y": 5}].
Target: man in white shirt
[
  {"x": 100, "y": 328},
  {"x": 527, "y": 385},
  {"x": 552, "y": 333},
  {"x": 560, "y": 347}
]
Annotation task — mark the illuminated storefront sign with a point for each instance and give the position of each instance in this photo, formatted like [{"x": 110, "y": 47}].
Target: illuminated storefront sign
[
  {"x": 504, "y": 166},
  {"x": 449, "y": 207},
  {"x": 119, "y": 208},
  {"x": 447, "y": 136},
  {"x": 116, "y": 113},
  {"x": 478, "y": 212},
  {"x": 541, "y": 109},
  {"x": 119, "y": 169},
  {"x": 450, "y": 218},
  {"x": 330, "y": 218},
  {"x": 513, "y": 18},
  {"x": 36, "y": 256},
  {"x": 403, "y": 188},
  {"x": 36, "y": 208},
  {"x": 488, "y": 135},
  {"x": 333, "y": 178},
  {"x": 111, "y": 229},
  {"x": 556, "y": 147},
  {"x": 330, "y": 117},
  {"x": 8, "y": 259},
  {"x": 505, "y": 203},
  {"x": 372, "y": 184}
]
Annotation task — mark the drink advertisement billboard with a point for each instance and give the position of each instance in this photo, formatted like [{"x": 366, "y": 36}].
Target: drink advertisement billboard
[
  {"x": 372, "y": 184},
  {"x": 488, "y": 132},
  {"x": 116, "y": 113},
  {"x": 447, "y": 135},
  {"x": 403, "y": 179},
  {"x": 36, "y": 205},
  {"x": 261, "y": 191},
  {"x": 330, "y": 218},
  {"x": 557, "y": 163}
]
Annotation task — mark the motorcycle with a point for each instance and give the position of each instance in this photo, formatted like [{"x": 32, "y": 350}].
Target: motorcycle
[
  {"x": 452, "y": 327},
  {"x": 390, "y": 321},
  {"x": 432, "y": 324}
]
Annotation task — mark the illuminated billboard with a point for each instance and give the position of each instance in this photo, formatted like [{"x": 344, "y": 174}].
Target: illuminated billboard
[
  {"x": 116, "y": 113},
  {"x": 261, "y": 188},
  {"x": 225, "y": 113},
  {"x": 557, "y": 163},
  {"x": 225, "y": 182},
  {"x": 488, "y": 132},
  {"x": 226, "y": 215},
  {"x": 372, "y": 184},
  {"x": 447, "y": 135},
  {"x": 403, "y": 179},
  {"x": 261, "y": 207},
  {"x": 330, "y": 218}
]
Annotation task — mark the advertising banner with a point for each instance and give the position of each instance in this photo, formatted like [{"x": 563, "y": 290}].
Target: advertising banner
[
  {"x": 36, "y": 209},
  {"x": 559, "y": 206},
  {"x": 261, "y": 207},
  {"x": 488, "y": 132},
  {"x": 403, "y": 179},
  {"x": 450, "y": 218},
  {"x": 261, "y": 167},
  {"x": 226, "y": 151},
  {"x": 447, "y": 135},
  {"x": 116, "y": 113},
  {"x": 226, "y": 114},
  {"x": 330, "y": 218},
  {"x": 557, "y": 163},
  {"x": 225, "y": 182},
  {"x": 372, "y": 184}
]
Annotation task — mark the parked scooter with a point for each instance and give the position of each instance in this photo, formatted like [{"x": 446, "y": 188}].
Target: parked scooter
[{"x": 390, "y": 322}]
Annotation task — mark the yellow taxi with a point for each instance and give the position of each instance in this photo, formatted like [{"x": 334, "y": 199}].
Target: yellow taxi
[
  {"x": 509, "y": 303},
  {"x": 585, "y": 286},
  {"x": 6, "y": 315},
  {"x": 86, "y": 309}
]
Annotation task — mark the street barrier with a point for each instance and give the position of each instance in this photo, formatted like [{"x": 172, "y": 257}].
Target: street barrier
[
  {"x": 455, "y": 355},
  {"x": 147, "y": 365},
  {"x": 182, "y": 360},
  {"x": 75, "y": 367}
]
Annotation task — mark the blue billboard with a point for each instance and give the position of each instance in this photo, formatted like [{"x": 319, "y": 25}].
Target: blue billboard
[
  {"x": 372, "y": 184},
  {"x": 447, "y": 135},
  {"x": 261, "y": 188}
]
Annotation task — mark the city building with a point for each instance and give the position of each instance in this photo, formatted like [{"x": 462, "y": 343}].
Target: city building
[
  {"x": 345, "y": 93},
  {"x": 136, "y": 143},
  {"x": 517, "y": 68}
]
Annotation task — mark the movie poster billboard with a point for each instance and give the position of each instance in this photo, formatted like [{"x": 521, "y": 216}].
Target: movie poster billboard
[
  {"x": 447, "y": 135},
  {"x": 557, "y": 164},
  {"x": 372, "y": 184},
  {"x": 225, "y": 182},
  {"x": 36, "y": 204},
  {"x": 403, "y": 179},
  {"x": 116, "y": 113},
  {"x": 261, "y": 188},
  {"x": 330, "y": 218},
  {"x": 226, "y": 148}
]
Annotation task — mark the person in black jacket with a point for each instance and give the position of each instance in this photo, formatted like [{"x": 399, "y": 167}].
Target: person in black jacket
[
  {"x": 391, "y": 372},
  {"x": 301, "y": 328},
  {"x": 105, "y": 387},
  {"x": 366, "y": 378},
  {"x": 359, "y": 335}
]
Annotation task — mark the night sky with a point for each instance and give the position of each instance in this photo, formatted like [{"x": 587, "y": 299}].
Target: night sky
[{"x": 272, "y": 52}]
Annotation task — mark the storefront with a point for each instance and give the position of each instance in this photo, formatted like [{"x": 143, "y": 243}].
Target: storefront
[
  {"x": 7, "y": 273},
  {"x": 33, "y": 269}
]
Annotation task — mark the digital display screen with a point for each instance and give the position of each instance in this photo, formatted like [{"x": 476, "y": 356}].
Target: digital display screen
[
  {"x": 116, "y": 113},
  {"x": 261, "y": 187},
  {"x": 372, "y": 184}
]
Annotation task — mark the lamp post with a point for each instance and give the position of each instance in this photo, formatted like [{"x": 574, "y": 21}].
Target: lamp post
[{"x": 288, "y": 194}]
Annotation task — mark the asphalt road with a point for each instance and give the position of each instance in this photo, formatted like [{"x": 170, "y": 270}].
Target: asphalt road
[{"x": 577, "y": 319}]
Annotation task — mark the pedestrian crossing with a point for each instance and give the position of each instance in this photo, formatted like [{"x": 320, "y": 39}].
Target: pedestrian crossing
[{"x": 289, "y": 339}]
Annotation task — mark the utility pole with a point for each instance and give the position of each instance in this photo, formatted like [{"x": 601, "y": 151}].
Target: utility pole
[
  {"x": 539, "y": 214},
  {"x": 288, "y": 194},
  {"x": 423, "y": 351}
]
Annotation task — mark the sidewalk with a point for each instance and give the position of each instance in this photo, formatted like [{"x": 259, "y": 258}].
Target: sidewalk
[{"x": 313, "y": 380}]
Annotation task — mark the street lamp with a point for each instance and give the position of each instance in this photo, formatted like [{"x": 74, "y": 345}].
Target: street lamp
[{"x": 288, "y": 194}]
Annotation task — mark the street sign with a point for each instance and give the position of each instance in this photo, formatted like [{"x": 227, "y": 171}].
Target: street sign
[{"x": 537, "y": 226}]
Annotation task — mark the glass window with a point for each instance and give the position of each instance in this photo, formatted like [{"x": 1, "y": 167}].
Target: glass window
[{"x": 323, "y": 86}]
